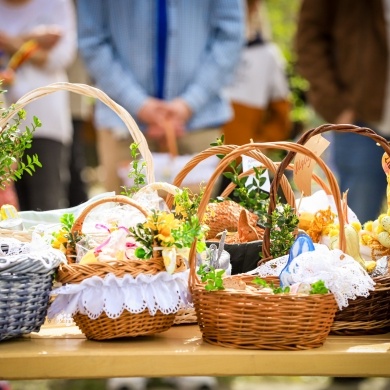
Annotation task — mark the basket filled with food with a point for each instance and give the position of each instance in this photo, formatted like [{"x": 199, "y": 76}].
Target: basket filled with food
[
  {"x": 369, "y": 311},
  {"x": 253, "y": 311}
]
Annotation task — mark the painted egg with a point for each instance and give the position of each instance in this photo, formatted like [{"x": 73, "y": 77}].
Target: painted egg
[{"x": 169, "y": 257}]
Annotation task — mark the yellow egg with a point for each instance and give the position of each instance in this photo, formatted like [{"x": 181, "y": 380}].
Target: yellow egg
[
  {"x": 386, "y": 223},
  {"x": 88, "y": 258}
]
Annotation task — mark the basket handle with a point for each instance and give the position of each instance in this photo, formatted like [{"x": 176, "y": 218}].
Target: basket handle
[
  {"x": 86, "y": 90},
  {"x": 343, "y": 128},
  {"x": 78, "y": 224},
  {"x": 244, "y": 149},
  {"x": 225, "y": 150},
  {"x": 160, "y": 185},
  {"x": 170, "y": 136},
  {"x": 315, "y": 177}
]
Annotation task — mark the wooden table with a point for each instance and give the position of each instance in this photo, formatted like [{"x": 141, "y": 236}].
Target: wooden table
[{"x": 63, "y": 352}]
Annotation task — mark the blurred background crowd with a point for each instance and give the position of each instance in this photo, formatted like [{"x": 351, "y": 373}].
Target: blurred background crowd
[
  {"x": 250, "y": 70},
  {"x": 197, "y": 70}
]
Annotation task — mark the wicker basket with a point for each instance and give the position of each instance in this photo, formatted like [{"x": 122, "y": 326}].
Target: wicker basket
[
  {"x": 237, "y": 252},
  {"x": 25, "y": 286},
  {"x": 253, "y": 320},
  {"x": 362, "y": 316},
  {"x": 128, "y": 324}
]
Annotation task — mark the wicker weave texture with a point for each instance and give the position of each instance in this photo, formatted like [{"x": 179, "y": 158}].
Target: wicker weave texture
[
  {"x": 127, "y": 325},
  {"x": 366, "y": 316},
  {"x": 252, "y": 319},
  {"x": 263, "y": 321},
  {"x": 24, "y": 301}
]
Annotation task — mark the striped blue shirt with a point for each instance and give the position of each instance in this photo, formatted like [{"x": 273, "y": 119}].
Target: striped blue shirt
[{"x": 118, "y": 38}]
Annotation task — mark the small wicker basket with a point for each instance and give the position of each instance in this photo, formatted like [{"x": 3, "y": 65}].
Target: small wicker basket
[
  {"x": 25, "y": 286},
  {"x": 364, "y": 315},
  {"x": 128, "y": 324},
  {"x": 254, "y": 320}
]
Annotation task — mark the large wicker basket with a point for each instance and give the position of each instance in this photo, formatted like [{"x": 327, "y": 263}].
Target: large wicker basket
[
  {"x": 128, "y": 325},
  {"x": 254, "y": 320},
  {"x": 364, "y": 315},
  {"x": 188, "y": 315}
]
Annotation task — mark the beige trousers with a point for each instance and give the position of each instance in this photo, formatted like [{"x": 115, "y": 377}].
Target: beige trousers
[{"x": 114, "y": 153}]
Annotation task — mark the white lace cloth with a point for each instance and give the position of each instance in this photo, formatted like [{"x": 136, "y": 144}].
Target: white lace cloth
[
  {"x": 34, "y": 256},
  {"x": 112, "y": 295},
  {"x": 342, "y": 275}
]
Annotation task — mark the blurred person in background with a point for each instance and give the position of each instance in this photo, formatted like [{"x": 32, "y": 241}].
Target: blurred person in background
[
  {"x": 164, "y": 62},
  {"x": 51, "y": 26},
  {"x": 343, "y": 51},
  {"x": 81, "y": 109},
  {"x": 260, "y": 92}
]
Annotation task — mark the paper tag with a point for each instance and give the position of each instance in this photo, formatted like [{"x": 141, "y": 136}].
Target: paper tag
[
  {"x": 248, "y": 163},
  {"x": 386, "y": 163},
  {"x": 304, "y": 165}
]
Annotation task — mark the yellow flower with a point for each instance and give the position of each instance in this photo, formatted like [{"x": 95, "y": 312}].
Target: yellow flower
[
  {"x": 180, "y": 210},
  {"x": 163, "y": 224}
]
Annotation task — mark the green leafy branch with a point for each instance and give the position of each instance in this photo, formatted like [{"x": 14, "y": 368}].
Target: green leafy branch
[
  {"x": 137, "y": 173},
  {"x": 283, "y": 223},
  {"x": 211, "y": 277},
  {"x": 319, "y": 288},
  {"x": 251, "y": 196},
  {"x": 67, "y": 221},
  {"x": 315, "y": 288},
  {"x": 188, "y": 231},
  {"x": 14, "y": 143}
]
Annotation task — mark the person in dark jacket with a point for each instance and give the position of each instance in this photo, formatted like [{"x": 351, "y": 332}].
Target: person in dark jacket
[{"x": 342, "y": 49}]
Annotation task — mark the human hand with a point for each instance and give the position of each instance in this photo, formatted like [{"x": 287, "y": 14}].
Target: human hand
[
  {"x": 346, "y": 117},
  {"x": 179, "y": 111},
  {"x": 7, "y": 76},
  {"x": 158, "y": 114},
  {"x": 46, "y": 36},
  {"x": 153, "y": 112}
]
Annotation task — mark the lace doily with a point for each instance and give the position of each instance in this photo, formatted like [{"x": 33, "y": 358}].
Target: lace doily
[
  {"x": 34, "y": 256},
  {"x": 95, "y": 295},
  {"x": 342, "y": 275}
]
